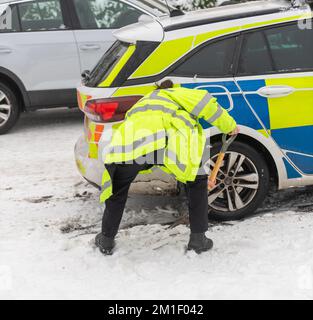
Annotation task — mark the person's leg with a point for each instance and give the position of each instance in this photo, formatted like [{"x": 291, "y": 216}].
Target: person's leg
[
  {"x": 122, "y": 176},
  {"x": 197, "y": 193}
]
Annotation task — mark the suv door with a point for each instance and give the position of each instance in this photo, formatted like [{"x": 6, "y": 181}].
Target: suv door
[
  {"x": 94, "y": 22},
  {"x": 41, "y": 50},
  {"x": 275, "y": 73}
]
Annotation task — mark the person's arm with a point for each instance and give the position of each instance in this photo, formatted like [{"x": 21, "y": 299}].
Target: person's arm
[
  {"x": 203, "y": 105},
  {"x": 217, "y": 116}
]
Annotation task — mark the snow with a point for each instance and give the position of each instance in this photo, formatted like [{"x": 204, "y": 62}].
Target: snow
[{"x": 49, "y": 217}]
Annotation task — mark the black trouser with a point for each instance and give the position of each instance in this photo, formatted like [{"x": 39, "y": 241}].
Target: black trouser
[{"x": 123, "y": 175}]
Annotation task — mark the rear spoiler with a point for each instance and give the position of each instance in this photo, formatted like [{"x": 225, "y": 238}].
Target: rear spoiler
[{"x": 150, "y": 30}]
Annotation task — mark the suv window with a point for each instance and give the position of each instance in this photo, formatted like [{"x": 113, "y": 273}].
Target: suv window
[
  {"x": 279, "y": 49},
  {"x": 105, "y": 14},
  {"x": 41, "y": 15},
  {"x": 213, "y": 60},
  {"x": 9, "y": 21}
]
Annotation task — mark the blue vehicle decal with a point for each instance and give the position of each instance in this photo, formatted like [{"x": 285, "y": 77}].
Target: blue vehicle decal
[
  {"x": 229, "y": 85},
  {"x": 229, "y": 97},
  {"x": 303, "y": 162},
  {"x": 291, "y": 172},
  {"x": 298, "y": 139},
  {"x": 251, "y": 85}
]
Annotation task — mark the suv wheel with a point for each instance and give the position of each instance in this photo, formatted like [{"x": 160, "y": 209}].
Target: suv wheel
[
  {"x": 9, "y": 108},
  {"x": 242, "y": 183}
]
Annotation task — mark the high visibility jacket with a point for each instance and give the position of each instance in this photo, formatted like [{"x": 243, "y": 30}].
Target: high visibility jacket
[{"x": 167, "y": 120}]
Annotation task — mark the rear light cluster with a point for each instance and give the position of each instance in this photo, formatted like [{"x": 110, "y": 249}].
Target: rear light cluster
[{"x": 110, "y": 109}]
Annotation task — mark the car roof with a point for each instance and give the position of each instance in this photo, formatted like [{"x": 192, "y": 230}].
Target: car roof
[
  {"x": 194, "y": 23},
  {"x": 227, "y": 12}
]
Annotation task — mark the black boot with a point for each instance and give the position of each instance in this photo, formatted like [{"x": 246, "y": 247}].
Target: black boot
[
  {"x": 105, "y": 244},
  {"x": 199, "y": 243}
]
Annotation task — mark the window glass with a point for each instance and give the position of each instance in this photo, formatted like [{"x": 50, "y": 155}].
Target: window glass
[
  {"x": 105, "y": 14},
  {"x": 280, "y": 49},
  {"x": 41, "y": 15},
  {"x": 255, "y": 57},
  {"x": 291, "y": 47},
  {"x": 107, "y": 63},
  {"x": 9, "y": 19},
  {"x": 213, "y": 60}
]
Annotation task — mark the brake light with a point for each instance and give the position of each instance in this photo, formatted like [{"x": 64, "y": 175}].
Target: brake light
[{"x": 109, "y": 110}]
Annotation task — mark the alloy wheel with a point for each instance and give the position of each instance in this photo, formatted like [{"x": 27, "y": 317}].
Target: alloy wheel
[
  {"x": 237, "y": 183},
  {"x": 5, "y": 109}
]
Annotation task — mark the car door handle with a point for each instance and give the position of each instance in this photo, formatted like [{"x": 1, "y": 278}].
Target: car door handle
[
  {"x": 88, "y": 47},
  {"x": 5, "y": 50},
  {"x": 275, "y": 91}
]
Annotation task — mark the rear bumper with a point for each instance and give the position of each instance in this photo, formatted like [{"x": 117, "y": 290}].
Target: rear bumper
[{"x": 90, "y": 169}]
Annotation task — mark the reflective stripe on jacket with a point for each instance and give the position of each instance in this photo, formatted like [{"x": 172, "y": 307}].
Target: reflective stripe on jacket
[{"x": 167, "y": 119}]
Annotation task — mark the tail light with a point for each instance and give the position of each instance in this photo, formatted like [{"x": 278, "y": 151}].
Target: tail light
[{"x": 109, "y": 110}]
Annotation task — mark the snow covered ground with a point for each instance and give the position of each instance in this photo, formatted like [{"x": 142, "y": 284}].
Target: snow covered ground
[{"x": 49, "y": 216}]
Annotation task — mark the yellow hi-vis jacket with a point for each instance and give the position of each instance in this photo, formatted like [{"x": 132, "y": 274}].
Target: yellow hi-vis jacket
[{"x": 167, "y": 120}]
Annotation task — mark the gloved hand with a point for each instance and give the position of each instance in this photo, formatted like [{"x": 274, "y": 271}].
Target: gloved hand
[{"x": 234, "y": 132}]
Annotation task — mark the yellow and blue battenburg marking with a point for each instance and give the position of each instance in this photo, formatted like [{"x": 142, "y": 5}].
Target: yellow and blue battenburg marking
[
  {"x": 287, "y": 120},
  {"x": 241, "y": 111}
]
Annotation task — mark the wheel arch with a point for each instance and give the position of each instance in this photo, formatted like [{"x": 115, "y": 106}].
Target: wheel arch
[
  {"x": 16, "y": 84},
  {"x": 266, "y": 146}
]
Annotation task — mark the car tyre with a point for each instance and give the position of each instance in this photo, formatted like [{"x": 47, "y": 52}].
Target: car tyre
[
  {"x": 10, "y": 108},
  {"x": 246, "y": 189}
]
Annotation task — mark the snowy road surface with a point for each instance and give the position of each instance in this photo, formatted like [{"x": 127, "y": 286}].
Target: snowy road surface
[{"x": 48, "y": 218}]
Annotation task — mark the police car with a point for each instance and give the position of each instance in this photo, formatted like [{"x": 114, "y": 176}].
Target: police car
[{"x": 255, "y": 58}]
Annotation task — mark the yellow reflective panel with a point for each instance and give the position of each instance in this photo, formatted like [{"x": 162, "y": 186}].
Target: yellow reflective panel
[
  {"x": 105, "y": 177},
  {"x": 131, "y": 91},
  {"x": 265, "y": 133},
  {"x": 81, "y": 167},
  {"x": 92, "y": 146},
  {"x": 116, "y": 70},
  {"x": 146, "y": 171},
  {"x": 294, "y": 110},
  {"x": 166, "y": 54},
  {"x": 93, "y": 150},
  {"x": 213, "y": 34},
  {"x": 295, "y": 82}
]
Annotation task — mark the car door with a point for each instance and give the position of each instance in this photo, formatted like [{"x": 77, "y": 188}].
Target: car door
[
  {"x": 95, "y": 20},
  {"x": 275, "y": 74},
  {"x": 41, "y": 51}
]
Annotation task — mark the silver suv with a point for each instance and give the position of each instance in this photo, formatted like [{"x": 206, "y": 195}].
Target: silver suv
[{"x": 46, "y": 44}]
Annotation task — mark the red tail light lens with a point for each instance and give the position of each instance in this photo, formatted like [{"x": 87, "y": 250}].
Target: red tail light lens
[{"x": 111, "y": 109}]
